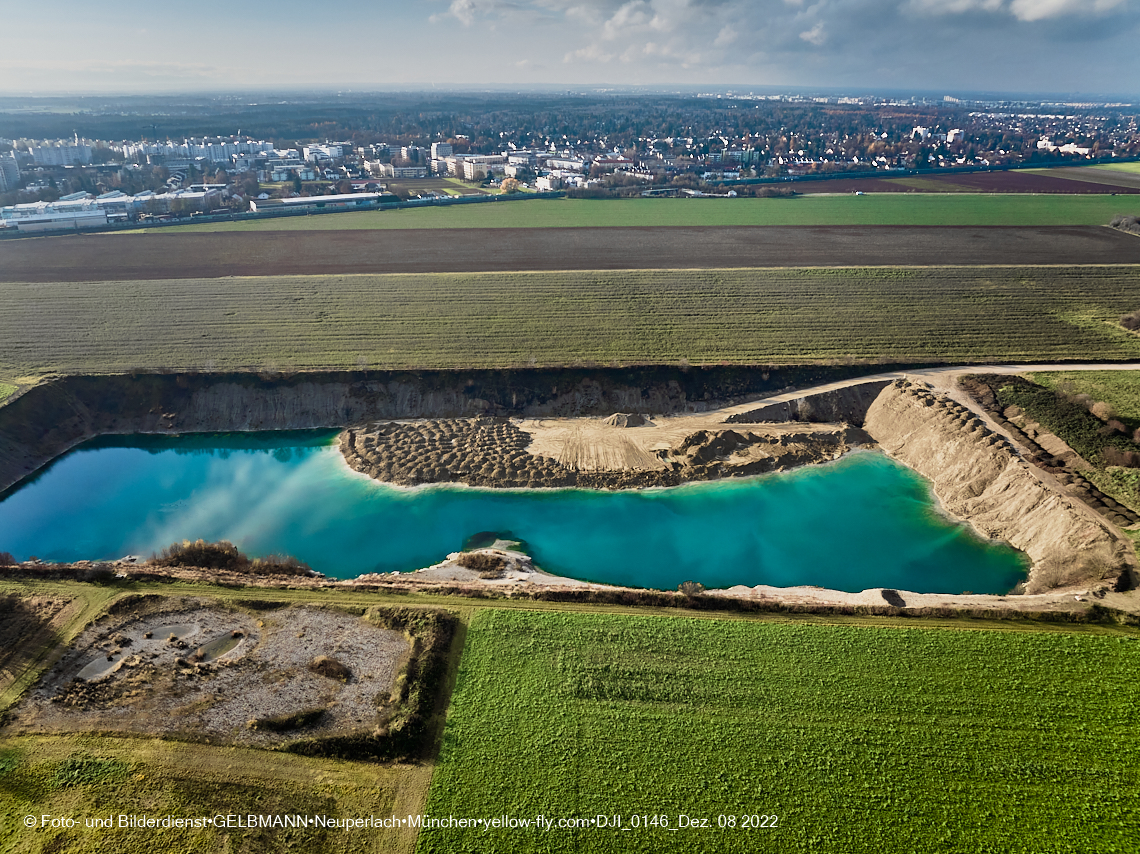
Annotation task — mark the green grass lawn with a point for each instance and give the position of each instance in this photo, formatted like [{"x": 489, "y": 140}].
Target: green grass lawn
[
  {"x": 857, "y": 739},
  {"x": 846, "y": 209},
  {"x": 495, "y": 320}
]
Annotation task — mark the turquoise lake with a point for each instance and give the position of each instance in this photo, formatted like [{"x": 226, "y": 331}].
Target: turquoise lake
[{"x": 863, "y": 521}]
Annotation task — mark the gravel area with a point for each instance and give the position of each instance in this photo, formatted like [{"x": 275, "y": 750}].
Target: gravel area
[{"x": 207, "y": 672}]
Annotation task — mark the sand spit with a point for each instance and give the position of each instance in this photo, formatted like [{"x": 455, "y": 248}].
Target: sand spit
[
  {"x": 521, "y": 579},
  {"x": 587, "y": 452}
]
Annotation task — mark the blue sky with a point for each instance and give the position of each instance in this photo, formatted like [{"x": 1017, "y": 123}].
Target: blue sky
[{"x": 957, "y": 45}]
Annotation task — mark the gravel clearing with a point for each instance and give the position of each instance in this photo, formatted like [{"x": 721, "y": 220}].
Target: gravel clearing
[{"x": 206, "y": 672}]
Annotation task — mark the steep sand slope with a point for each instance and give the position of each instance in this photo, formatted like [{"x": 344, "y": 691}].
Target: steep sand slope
[{"x": 978, "y": 477}]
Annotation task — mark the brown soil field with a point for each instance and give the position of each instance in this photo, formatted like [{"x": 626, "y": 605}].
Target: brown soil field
[
  {"x": 215, "y": 255},
  {"x": 980, "y": 182},
  {"x": 1109, "y": 180}
]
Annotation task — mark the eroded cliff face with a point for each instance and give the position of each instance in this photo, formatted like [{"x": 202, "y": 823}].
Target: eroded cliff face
[{"x": 979, "y": 477}]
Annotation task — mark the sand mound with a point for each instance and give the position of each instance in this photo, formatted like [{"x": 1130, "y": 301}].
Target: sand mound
[{"x": 621, "y": 419}]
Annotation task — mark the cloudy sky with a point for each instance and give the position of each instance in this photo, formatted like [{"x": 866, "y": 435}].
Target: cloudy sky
[{"x": 1072, "y": 46}]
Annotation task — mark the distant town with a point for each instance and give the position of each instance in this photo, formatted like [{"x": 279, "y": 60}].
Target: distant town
[{"x": 732, "y": 144}]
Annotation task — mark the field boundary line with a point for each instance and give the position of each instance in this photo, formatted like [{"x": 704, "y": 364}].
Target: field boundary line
[{"x": 603, "y": 271}]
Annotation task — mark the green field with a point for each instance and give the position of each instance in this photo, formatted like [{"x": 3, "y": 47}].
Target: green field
[
  {"x": 85, "y": 778},
  {"x": 491, "y": 320},
  {"x": 858, "y": 739},
  {"x": 1082, "y": 432},
  {"x": 1133, "y": 167},
  {"x": 846, "y": 209},
  {"x": 1119, "y": 389},
  {"x": 860, "y": 733}
]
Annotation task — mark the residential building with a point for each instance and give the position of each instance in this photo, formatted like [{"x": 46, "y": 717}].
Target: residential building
[
  {"x": 387, "y": 170},
  {"x": 440, "y": 150},
  {"x": 61, "y": 153},
  {"x": 9, "y": 172},
  {"x": 325, "y": 151},
  {"x": 478, "y": 167}
]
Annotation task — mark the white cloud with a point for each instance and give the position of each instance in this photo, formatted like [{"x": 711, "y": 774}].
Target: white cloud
[
  {"x": 815, "y": 35},
  {"x": 955, "y": 7},
  {"x": 635, "y": 15},
  {"x": 1023, "y": 10},
  {"x": 727, "y": 35},
  {"x": 1036, "y": 10},
  {"x": 462, "y": 10}
]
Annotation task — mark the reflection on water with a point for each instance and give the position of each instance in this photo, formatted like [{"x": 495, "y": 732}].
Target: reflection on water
[{"x": 862, "y": 522}]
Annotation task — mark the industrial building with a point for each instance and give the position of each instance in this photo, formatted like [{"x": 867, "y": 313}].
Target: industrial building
[{"x": 345, "y": 201}]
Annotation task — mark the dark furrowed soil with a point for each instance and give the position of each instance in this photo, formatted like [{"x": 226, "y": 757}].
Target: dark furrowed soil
[
  {"x": 210, "y": 255},
  {"x": 981, "y": 182}
]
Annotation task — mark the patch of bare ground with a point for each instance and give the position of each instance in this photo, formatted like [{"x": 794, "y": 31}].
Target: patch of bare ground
[
  {"x": 586, "y": 452},
  {"x": 193, "y": 669}
]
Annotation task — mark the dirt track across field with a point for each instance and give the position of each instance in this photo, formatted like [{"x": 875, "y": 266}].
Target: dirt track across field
[{"x": 110, "y": 257}]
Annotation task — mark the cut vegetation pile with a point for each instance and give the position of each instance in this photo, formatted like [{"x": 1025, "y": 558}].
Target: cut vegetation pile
[
  {"x": 1127, "y": 223},
  {"x": 858, "y": 739},
  {"x": 224, "y": 555}
]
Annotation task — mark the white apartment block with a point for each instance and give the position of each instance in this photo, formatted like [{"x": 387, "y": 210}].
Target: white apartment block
[{"x": 61, "y": 153}]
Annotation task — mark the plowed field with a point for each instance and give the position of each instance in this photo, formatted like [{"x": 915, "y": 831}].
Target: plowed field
[{"x": 212, "y": 255}]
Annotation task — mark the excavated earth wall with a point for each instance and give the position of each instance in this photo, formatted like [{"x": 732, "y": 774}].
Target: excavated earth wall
[
  {"x": 847, "y": 404},
  {"x": 53, "y": 417}
]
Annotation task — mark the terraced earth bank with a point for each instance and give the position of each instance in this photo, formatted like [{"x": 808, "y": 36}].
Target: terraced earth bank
[{"x": 494, "y": 452}]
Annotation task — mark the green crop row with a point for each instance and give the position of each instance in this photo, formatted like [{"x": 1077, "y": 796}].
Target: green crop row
[
  {"x": 489, "y": 320},
  {"x": 858, "y": 739},
  {"x": 845, "y": 209}
]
